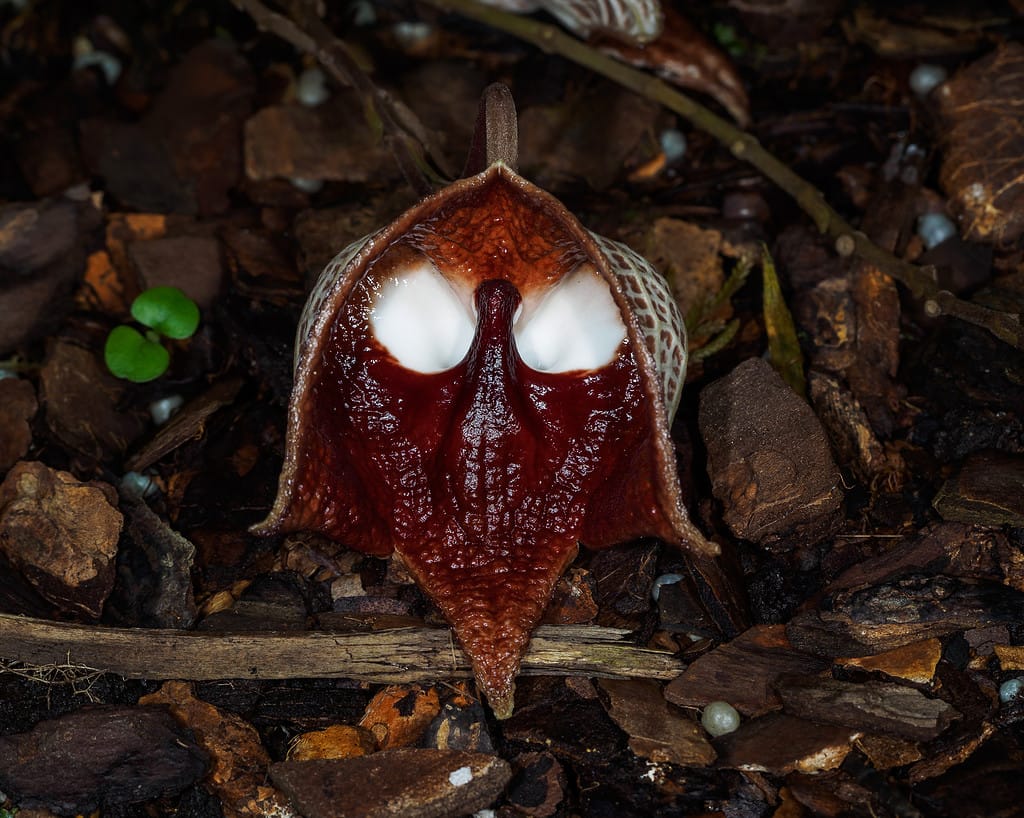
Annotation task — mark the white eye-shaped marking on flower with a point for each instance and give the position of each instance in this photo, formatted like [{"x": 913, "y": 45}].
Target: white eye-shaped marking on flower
[
  {"x": 420, "y": 319},
  {"x": 574, "y": 325}
]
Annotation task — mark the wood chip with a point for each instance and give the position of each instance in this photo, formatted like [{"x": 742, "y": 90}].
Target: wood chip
[
  {"x": 779, "y": 743},
  {"x": 413, "y": 783},
  {"x": 292, "y": 141},
  {"x": 769, "y": 460},
  {"x": 17, "y": 407},
  {"x": 915, "y": 662},
  {"x": 61, "y": 534},
  {"x": 1011, "y": 657},
  {"x": 988, "y": 490},
  {"x": 656, "y": 730},
  {"x": 742, "y": 671},
  {"x": 238, "y": 762},
  {"x": 398, "y": 715},
  {"x": 83, "y": 403},
  {"x": 886, "y": 752},
  {"x": 109, "y": 755},
  {"x": 336, "y": 741},
  {"x": 879, "y": 707}
]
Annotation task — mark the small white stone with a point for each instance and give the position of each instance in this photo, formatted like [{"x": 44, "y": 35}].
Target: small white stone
[
  {"x": 307, "y": 185},
  {"x": 136, "y": 484},
  {"x": 673, "y": 144},
  {"x": 1011, "y": 689},
  {"x": 935, "y": 228},
  {"x": 162, "y": 409},
  {"x": 311, "y": 87},
  {"x": 363, "y": 13},
  {"x": 461, "y": 776},
  {"x": 720, "y": 718},
  {"x": 664, "y": 579},
  {"x": 85, "y": 56},
  {"x": 411, "y": 34},
  {"x": 925, "y": 78}
]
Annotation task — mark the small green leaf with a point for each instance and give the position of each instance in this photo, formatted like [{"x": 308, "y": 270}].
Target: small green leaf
[
  {"x": 131, "y": 356},
  {"x": 783, "y": 346},
  {"x": 167, "y": 310}
]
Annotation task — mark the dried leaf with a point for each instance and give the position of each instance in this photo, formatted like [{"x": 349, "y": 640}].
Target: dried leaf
[{"x": 783, "y": 346}]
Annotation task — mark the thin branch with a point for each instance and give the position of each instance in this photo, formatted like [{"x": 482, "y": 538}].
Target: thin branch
[
  {"x": 387, "y": 656},
  {"x": 920, "y": 281},
  {"x": 398, "y": 126}
]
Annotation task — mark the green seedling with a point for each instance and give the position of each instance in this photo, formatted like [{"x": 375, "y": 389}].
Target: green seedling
[{"x": 165, "y": 312}]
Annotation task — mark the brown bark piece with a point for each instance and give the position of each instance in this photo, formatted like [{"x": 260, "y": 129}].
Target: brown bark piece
[
  {"x": 915, "y": 662},
  {"x": 413, "y": 783},
  {"x": 107, "y": 755},
  {"x": 769, "y": 459},
  {"x": 48, "y": 157},
  {"x": 872, "y": 373},
  {"x": 656, "y": 730},
  {"x": 169, "y": 601},
  {"x": 1011, "y": 657},
  {"x": 336, "y": 741},
  {"x": 61, "y": 534},
  {"x": 324, "y": 232},
  {"x": 950, "y": 548},
  {"x": 332, "y": 143},
  {"x": 957, "y": 753},
  {"x": 983, "y": 166},
  {"x": 828, "y": 795},
  {"x": 42, "y": 255},
  {"x": 190, "y": 263},
  {"x": 779, "y": 743},
  {"x": 238, "y": 762},
  {"x": 572, "y": 601},
  {"x": 400, "y": 714},
  {"x": 742, "y": 671},
  {"x": 688, "y": 256},
  {"x": 878, "y": 707},
  {"x": 901, "y": 612},
  {"x": 988, "y": 490},
  {"x": 853, "y": 440},
  {"x": 886, "y": 752},
  {"x": 461, "y": 725},
  {"x": 81, "y": 400},
  {"x": 853, "y": 319},
  {"x": 17, "y": 407},
  {"x": 538, "y": 786}
]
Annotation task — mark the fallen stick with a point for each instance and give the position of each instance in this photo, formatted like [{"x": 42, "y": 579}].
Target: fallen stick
[{"x": 396, "y": 655}]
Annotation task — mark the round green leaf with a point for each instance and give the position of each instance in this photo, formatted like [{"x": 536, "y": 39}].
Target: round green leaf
[
  {"x": 131, "y": 356},
  {"x": 167, "y": 310}
]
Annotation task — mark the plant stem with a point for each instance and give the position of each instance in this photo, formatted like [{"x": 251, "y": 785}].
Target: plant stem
[{"x": 920, "y": 281}]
